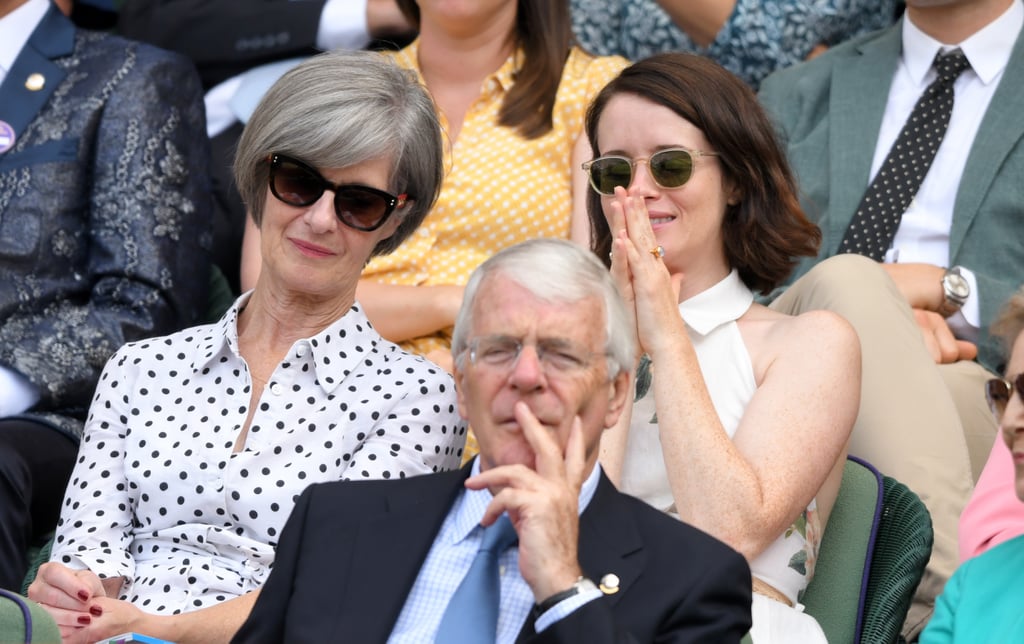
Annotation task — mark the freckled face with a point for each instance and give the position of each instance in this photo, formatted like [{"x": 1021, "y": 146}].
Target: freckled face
[
  {"x": 687, "y": 221},
  {"x": 308, "y": 250}
]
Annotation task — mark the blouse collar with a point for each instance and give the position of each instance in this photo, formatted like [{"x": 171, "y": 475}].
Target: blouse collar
[
  {"x": 502, "y": 79},
  {"x": 335, "y": 351},
  {"x": 724, "y": 302}
]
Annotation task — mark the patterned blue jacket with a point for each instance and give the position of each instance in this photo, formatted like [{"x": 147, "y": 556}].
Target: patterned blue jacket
[{"x": 104, "y": 207}]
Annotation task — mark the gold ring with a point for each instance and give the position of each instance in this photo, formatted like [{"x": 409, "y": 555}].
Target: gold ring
[{"x": 657, "y": 251}]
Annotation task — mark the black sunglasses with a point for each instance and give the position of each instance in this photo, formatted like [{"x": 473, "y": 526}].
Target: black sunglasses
[
  {"x": 359, "y": 207},
  {"x": 999, "y": 390},
  {"x": 670, "y": 169}
]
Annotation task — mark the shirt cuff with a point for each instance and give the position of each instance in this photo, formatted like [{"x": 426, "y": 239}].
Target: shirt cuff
[
  {"x": 17, "y": 394},
  {"x": 564, "y": 608},
  {"x": 343, "y": 25}
]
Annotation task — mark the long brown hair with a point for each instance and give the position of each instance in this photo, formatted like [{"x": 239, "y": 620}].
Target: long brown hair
[
  {"x": 544, "y": 33},
  {"x": 766, "y": 231}
]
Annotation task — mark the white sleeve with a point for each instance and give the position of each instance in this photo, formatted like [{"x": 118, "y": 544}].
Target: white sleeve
[{"x": 343, "y": 25}]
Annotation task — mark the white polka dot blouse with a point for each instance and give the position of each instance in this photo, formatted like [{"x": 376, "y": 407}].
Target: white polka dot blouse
[{"x": 158, "y": 495}]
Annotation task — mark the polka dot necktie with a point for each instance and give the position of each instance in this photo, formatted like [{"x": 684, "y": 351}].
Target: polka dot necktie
[
  {"x": 472, "y": 612},
  {"x": 874, "y": 225}
]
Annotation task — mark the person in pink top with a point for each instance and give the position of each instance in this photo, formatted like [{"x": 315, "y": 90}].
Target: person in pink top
[{"x": 994, "y": 514}]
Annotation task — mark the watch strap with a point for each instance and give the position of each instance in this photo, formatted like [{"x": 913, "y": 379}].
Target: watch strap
[{"x": 582, "y": 584}]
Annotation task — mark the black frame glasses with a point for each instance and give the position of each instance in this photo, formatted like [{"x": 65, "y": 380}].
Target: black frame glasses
[
  {"x": 670, "y": 168},
  {"x": 361, "y": 207},
  {"x": 999, "y": 390}
]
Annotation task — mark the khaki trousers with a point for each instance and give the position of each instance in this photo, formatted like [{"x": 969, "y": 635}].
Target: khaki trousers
[{"x": 909, "y": 426}]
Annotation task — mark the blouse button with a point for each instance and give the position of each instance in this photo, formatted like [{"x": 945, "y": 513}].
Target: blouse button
[{"x": 275, "y": 389}]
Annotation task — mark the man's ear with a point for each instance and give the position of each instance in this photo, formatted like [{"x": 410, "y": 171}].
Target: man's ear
[
  {"x": 618, "y": 397},
  {"x": 458, "y": 374}
]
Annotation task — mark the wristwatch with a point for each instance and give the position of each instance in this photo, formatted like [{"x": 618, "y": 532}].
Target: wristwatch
[
  {"x": 582, "y": 585},
  {"x": 956, "y": 289}
]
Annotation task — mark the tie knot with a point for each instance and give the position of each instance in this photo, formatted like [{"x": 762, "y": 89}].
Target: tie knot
[
  {"x": 949, "y": 65},
  {"x": 499, "y": 536}
]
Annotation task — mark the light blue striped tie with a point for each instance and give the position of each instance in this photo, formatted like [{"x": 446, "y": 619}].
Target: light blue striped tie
[{"x": 472, "y": 612}]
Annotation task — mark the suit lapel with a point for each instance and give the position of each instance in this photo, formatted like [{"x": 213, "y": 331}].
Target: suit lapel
[
  {"x": 856, "y": 105},
  {"x": 52, "y": 39},
  {"x": 609, "y": 544},
  {"x": 1001, "y": 130},
  {"x": 390, "y": 550}
]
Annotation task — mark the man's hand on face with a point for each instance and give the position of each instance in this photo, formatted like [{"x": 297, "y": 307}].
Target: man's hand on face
[{"x": 542, "y": 504}]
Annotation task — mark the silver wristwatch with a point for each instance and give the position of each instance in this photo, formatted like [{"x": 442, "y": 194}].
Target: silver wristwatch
[{"x": 956, "y": 289}]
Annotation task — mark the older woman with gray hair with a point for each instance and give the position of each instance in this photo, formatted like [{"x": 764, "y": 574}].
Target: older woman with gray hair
[{"x": 198, "y": 443}]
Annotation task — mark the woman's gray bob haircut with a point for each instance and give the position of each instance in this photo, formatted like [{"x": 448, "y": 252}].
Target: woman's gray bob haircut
[
  {"x": 341, "y": 108},
  {"x": 555, "y": 270}
]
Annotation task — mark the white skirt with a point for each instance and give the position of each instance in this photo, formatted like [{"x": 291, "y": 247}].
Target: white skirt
[{"x": 777, "y": 623}]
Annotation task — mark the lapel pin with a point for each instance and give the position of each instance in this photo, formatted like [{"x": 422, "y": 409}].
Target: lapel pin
[
  {"x": 35, "y": 82},
  {"x": 610, "y": 584},
  {"x": 7, "y": 136}
]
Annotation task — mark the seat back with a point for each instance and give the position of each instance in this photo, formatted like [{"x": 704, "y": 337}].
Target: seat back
[
  {"x": 836, "y": 595},
  {"x": 220, "y": 298},
  {"x": 37, "y": 556},
  {"x": 23, "y": 620},
  {"x": 902, "y": 550}
]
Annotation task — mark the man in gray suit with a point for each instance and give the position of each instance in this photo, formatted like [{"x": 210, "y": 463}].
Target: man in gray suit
[{"x": 840, "y": 115}]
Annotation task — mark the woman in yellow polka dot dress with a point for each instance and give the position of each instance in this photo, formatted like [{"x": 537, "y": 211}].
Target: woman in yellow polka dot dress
[{"x": 511, "y": 90}]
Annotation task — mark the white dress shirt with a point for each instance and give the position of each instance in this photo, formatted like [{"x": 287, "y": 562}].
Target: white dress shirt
[
  {"x": 923, "y": 235},
  {"x": 15, "y": 28},
  {"x": 17, "y": 394},
  {"x": 449, "y": 560}
]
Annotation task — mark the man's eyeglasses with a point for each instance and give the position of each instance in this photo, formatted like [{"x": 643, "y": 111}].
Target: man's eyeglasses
[
  {"x": 359, "y": 207},
  {"x": 670, "y": 169},
  {"x": 999, "y": 390},
  {"x": 557, "y": 357}
]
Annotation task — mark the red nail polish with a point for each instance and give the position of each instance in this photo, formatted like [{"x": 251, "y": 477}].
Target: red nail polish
[
  {"x": 84, "y": 620},
  {"x": 96, "y": 611},
  {"x": 84, "y": 596}
]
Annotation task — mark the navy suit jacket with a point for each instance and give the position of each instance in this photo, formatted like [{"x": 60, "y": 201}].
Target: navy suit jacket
[
  {"x": 104, "y": 208},
  {"x": 351, "y": 552},
  {"x": 829, "y": 111}
]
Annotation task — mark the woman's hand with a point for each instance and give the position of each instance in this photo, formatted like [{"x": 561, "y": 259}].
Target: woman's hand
[
  {"x": 112, "y": 617},
  {"x": 68, "y": 595},
  {"x": 650, "y": 292}
]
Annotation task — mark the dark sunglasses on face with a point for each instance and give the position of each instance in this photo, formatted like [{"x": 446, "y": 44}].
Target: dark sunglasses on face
[
  {"x": 359, "y": 207},
  {"x": 670, "y": 169},
  {"x": 999, "y": 390}
]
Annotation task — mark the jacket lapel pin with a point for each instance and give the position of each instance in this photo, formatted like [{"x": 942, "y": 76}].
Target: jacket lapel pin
[
  {"x": 35, "y": 82},
  {"x": 610, "y": 584}
]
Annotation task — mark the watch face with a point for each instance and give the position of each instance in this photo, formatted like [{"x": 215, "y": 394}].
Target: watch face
[{"x": 957, "y": 286}]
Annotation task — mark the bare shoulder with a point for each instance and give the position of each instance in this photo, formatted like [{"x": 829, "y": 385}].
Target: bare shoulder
[{"x": 818, "y": 336}]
